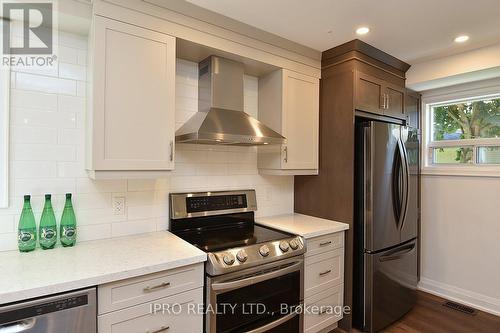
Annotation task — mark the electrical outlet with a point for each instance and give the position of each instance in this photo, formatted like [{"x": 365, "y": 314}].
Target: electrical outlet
[{"x": 119, "y": 205}]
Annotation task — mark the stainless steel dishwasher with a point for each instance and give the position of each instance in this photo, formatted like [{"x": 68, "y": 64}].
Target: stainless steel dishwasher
[{"x": 72, "y": 312}]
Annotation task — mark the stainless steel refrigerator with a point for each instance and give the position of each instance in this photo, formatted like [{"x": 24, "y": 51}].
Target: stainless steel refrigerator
[{"x": 386, "y": 223}]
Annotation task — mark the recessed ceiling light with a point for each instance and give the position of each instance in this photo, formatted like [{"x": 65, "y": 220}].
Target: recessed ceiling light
[
  {"x": 461, "y": 39},
  {"x": 362, "y": 30}
]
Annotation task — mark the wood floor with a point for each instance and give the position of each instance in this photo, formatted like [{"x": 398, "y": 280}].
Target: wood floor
[{"x": 430, "y": 316}]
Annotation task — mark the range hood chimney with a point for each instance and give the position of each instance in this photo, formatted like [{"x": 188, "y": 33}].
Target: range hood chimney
[{"x": 220, "y": 118}]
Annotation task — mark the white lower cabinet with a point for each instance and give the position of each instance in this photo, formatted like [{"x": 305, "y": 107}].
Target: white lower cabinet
[
  {"x": 170, "y": 314},
  {"x": 168, "y": 301},
  {"x": 324, "y": 309},
  {"x": 324, "y": 282}
]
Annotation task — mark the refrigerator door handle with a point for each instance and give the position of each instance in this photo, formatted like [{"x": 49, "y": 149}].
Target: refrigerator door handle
[
  {"x": 398, "y": 253},
  {"x": 396, "y": 186},
  {"x": 367, "y": 185},
  {"x": 406, "y": 184},
  {"x": 402, "y": 188}
]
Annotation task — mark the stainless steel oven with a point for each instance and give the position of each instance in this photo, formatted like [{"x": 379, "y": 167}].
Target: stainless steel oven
[
  {"x": 267, "y": 298},
  {"x": 254, "y": 274}
]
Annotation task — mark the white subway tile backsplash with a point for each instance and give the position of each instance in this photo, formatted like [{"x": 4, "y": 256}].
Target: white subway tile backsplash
[
  {"x": 47, "y": 156},
  {"x": 6, "y": 224},
  {"x": 71, "y": 103},
  {"x": 146, "y": 212},
  {"x": 38, "y": 70},
  {"x": 13, "y": 80},
  {"x": 34, "y": 117},
  {"x": 133, "y": 227},
  {"x": 87, "y": 185},
  {"x": 45, "y": 84},
  {"x": 33, "y": 169},
  {"x": 81, "y": 89},
  {"x": 98, "y": 216},
  {"x": 135, "y": 185},
  {"x": 67, "y": 136},
  {"x": 68, "y": 55},
  {"x": 41, "y": 186},
  {"x": 71, "y": 169},
  {"x": 82, "y": 57},
  {"x": 93, "y": 232},
  {"x": 42, "y": 152},
  {"x": 89, "y": 201},
  {"x": 31, "y": 99},
  {"x": 28, "y": 134},
  {"x": 146, "y": 198},
  {"x": 70, "y": 71},
  {"x": 8, "y": 241},
  {"x": 72, "y": 40}
]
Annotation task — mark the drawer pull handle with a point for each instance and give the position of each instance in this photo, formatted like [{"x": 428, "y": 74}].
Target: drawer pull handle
[
  {"x": 161, "y": 329},
  {"x": 325, "y": 243},
  {"x": 153, "y": 288},
  {"x": 325, "y": 272}
]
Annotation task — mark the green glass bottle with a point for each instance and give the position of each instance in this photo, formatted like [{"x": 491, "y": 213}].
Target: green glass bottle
[
  {"x": 48, "y": 227},
  {"x": 67, "y": 229},
  {"x": 26, "y": 236}
]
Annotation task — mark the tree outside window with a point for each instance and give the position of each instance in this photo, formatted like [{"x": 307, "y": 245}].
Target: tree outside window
[{"x": 469, "y": 120}]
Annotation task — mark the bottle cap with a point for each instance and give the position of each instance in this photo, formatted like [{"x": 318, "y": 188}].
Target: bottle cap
[
  {"x": 48, "y": 196},
  {"x": 27, "y": 197},
  {"x": 68, "y": 195}
]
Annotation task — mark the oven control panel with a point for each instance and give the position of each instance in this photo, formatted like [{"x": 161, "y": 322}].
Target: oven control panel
[
  {"x": 215, "y": 202},
  {"x": 249, "y": 256}
]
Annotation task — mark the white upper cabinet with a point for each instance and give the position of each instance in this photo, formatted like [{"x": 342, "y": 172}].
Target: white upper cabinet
[
  {"x": 130, "y": 125},
  {"x": 289, "y": 104}
]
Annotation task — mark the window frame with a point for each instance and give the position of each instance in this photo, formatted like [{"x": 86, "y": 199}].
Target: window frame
[
  {"x": 449, "y": 95},
  {"x": 4, "y": 136}
]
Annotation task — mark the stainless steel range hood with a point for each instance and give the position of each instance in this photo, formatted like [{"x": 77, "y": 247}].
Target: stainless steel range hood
[{"x": 220, "y": 118}]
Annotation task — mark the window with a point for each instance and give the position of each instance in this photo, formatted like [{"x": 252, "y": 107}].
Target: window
[
  {"x": 4, "y": 136},
  {"x": 463, "y": 135}
]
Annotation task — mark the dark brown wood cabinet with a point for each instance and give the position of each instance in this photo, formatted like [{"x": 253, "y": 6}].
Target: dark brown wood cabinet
[
  {"x": 394, "y": 101},
  {"x": 412, "y": 108},
  {"x": 354, "y": 77},
  {"x": 375, "y": 95},
  {"x": 369, "y": 93}
]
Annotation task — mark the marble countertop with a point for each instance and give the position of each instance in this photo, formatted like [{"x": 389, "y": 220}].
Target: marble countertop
[
  {"x": 302, "y": 225},
  {"x": 40, "y": 273}
]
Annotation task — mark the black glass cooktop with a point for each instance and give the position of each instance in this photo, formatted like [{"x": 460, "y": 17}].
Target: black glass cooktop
[{"x": 230, "y": 236}]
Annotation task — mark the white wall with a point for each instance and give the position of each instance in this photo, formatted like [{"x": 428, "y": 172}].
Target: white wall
[
  {"x": 460, "y": 213},
  {"x": 47, "y": 156},
  {"x": 460, "y": 239},
  {"x": 470, "y": 66}
]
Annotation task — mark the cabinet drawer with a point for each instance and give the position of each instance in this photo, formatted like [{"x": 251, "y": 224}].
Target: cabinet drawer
[
  {"x": 325, "y": 243},
  {"x": 178, "y": 315},
  {"x": 323, "y": 311},
  {"x": 118, "y": 295},
  {"x": 323, "y": 271}
]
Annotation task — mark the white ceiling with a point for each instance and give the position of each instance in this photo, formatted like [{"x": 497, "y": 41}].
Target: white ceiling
[{"x": 411, "y": 30}]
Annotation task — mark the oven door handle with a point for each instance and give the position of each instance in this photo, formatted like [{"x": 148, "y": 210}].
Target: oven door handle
[
  {"x": 256, "y": 279},
  {"x": 274, "y": 324}
]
